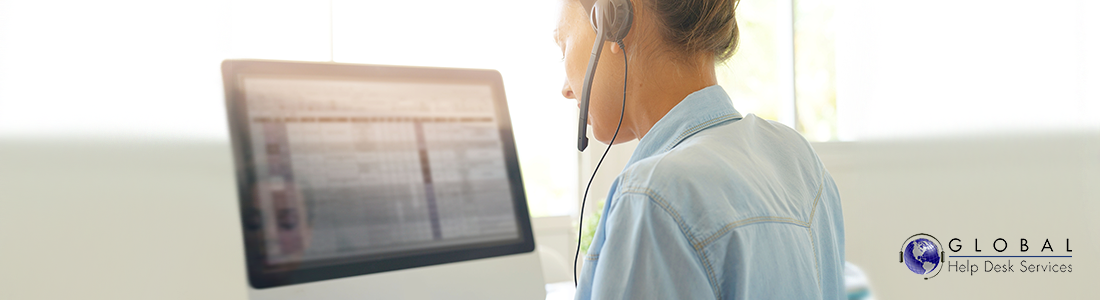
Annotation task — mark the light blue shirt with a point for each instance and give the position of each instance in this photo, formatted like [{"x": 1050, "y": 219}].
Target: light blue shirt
[{"x": 713, "y": 205}]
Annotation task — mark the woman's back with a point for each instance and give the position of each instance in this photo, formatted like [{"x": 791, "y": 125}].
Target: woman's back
[{"x": 716, "y": 205}]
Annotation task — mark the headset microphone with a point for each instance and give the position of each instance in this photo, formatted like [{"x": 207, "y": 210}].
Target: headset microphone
[{"x": 612, "y": 20}]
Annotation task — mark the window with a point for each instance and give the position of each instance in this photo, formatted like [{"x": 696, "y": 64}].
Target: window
[
  {"x": 757, "y": 77},
  {"x": 975, "y": 68},
  {"x": 784, "y": 66},
  {"x": 815, "y": 69}
]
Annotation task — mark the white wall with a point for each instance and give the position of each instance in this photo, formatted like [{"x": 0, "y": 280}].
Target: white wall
[
  {"x": 976, "y": 119},
  {"x": 119, "y": 219},
  {"x": 1026, "y": 186},
  {"x": 935, "y": 68}
]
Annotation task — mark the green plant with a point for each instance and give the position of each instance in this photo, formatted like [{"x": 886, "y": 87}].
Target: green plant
[{"x": 589, "y": 226}]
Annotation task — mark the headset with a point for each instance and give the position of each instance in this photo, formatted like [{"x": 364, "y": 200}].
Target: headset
[{"x": 612, "y": 20}]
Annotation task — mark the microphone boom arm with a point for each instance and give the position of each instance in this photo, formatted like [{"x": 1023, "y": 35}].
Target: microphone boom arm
[{"x": 586, "y": 90}]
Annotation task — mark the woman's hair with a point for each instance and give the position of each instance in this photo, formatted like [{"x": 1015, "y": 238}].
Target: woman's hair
[{"x": 698, "y": 26}]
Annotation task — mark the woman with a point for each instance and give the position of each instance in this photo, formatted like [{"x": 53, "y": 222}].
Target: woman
[{"x": 712, "y": 204}]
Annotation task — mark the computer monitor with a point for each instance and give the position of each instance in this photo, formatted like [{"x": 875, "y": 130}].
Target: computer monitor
[{"x": 354, "y": 172}]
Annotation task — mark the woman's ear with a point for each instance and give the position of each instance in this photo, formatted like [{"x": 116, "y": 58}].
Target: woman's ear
[{"x": 636, "y": 23}]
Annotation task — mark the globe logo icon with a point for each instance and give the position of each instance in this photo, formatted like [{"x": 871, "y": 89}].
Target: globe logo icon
[{"x": 921, "y": 256}]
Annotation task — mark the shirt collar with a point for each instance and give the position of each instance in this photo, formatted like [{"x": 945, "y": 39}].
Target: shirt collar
[{"x": 699, "y": 110}]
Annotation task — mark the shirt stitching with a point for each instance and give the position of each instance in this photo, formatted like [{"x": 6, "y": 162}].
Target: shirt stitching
[
  {"x": 753, "y": 220},
  {"x": 820, "y": 186},
  {"x": 742, "y": 222},
  {"x": 700, "y": 127},
  {"x": 710, "y": 273},
  {"x": 656, "y": 198},
  {"x": 813, "y": 239},
  {"x": 699, "y": 246},
  {"x": 813, "y": 242},
  {"x": 664, "y": 205}
]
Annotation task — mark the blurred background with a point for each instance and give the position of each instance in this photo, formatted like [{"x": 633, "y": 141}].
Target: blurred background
[{"x": 956, "y": 118}]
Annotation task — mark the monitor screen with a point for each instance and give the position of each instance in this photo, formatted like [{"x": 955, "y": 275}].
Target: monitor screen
[{"x": 348, "y": 172}]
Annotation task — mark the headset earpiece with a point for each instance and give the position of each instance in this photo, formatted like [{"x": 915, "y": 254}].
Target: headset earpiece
[{"x": 616, "y": 16}]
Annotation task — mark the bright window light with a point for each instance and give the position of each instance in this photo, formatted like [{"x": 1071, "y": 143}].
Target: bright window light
[{"x": 151, "y": 70}]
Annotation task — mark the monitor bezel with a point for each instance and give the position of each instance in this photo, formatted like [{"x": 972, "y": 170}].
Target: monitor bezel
[{"x": 260, "y": 277}]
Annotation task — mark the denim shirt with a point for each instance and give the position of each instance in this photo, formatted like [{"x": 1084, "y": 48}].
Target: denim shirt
[{"x": 713, "y": 205}]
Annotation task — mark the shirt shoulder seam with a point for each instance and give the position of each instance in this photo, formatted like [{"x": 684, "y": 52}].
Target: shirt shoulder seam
[
  {"x": 700, "y": 245},
  {"x": 656, "y": 198},
  {"x": 760, "y": 219}
]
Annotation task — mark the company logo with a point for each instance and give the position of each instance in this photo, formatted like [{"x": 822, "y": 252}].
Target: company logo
[
  {"x": 921, "y": 253},
  {"x": 924, "y": 255}
]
